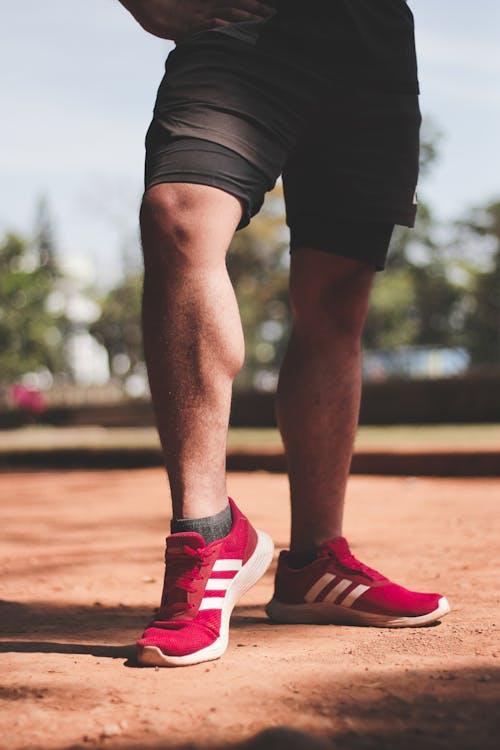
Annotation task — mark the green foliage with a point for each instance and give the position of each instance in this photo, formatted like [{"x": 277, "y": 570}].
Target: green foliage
[
  {"x": 119, "y": 327},
  {"x": 392, "y": 321},
  {"x": 258, "y": 264},
  {"x": 482, "y": 320},
  {"x": 31, "y": 337},
  {"x": 416, "y": 301}
]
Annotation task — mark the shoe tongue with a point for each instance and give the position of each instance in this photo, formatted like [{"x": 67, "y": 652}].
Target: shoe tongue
[
  {"x": 338, "y": 546},
  {"x": 178, "y": 597},
  {"x": 185, "y": 539},
  {"x": 344, "y": 556}
]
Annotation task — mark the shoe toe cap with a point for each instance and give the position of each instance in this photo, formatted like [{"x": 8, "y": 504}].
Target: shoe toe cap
[
  {"x": 181, "y": 641},
  {"x": 398, "y": 601}
]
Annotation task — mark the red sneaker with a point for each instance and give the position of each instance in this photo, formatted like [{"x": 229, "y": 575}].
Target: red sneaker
[
  {"x": 337, "y": 588},
  {"x": 202, "y": 585}
]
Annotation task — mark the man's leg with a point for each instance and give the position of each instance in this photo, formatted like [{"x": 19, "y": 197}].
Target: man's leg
[
  {"x": 319, "y": 580},
  {"x": 193, "y": 339},
  {"x": 194, "y": 347},
  {"x": 319, "y": 389}
]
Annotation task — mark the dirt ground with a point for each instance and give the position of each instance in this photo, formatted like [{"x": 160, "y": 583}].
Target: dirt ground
[{"x": 81, "y": 570}]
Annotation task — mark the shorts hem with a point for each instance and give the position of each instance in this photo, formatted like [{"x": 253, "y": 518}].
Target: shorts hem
[
  {"x": 360, "y": 240},
  {"x": 222, "y": 137},
  {"x": 208, "y": 180},
  {"x": 377, "y": 263},
  {"x": 380, "y": 215}
]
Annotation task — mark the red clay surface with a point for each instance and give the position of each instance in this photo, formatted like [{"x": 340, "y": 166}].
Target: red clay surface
[{"x": 81, "y": 565}]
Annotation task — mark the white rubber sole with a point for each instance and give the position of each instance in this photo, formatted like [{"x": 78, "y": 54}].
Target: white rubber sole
[
  {"x": 250, "y": 573},
  {"x": 326, "y": 613}
]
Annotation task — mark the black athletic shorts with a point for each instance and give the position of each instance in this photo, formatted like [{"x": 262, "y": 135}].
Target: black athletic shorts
[{"x": 324, "y": 93}]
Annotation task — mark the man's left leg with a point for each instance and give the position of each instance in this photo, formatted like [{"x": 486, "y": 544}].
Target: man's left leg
[
  {"x": 319, "y": 389},
  {"x": 318, "y": 404}
]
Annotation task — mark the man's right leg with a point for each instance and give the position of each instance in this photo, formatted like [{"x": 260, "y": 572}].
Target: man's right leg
[
  {"x": 193, "y": 343},
  {"x": 193, "y": 339}
]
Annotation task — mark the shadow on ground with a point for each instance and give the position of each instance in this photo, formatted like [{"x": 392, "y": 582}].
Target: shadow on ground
[
  {"x": 390, "y": 714},
  {"x": 43, "y": 627},
  {"x": 411, "y": 708}
]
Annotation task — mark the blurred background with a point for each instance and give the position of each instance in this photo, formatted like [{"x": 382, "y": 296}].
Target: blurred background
[{"x": 78, "y": 87}]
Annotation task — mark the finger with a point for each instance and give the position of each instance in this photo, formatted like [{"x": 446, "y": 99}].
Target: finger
[
  {"x": 232, "y": 15},
  {"x": 219, "y": 22},
  {"x": 250, "y": 6}
]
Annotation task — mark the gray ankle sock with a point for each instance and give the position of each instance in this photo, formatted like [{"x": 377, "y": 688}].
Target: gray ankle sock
[{"x": 211, "y": 528}]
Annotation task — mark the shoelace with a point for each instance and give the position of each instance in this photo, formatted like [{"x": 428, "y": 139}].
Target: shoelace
[
  {"x": 349, "y": 563},
  {"x": 183, "y": 567}
]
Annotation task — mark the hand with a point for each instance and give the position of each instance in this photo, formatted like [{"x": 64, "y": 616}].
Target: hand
[{"x": 176, "y": 19}]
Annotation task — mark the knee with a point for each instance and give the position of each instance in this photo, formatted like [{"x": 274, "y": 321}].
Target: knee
[
  {"x": 166, "y": 225},
  {"x": 335, "y": 302}
]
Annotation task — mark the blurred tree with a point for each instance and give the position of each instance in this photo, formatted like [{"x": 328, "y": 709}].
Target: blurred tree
[
  {"x": 418, "y": 300},
  {"x": 258, "y": 265},
  {"x": 31, "y": 337},
  {"x": 480, "y": 235},
  {"x": 118, "y": 328},
  {"x": 44, "y": 243}
]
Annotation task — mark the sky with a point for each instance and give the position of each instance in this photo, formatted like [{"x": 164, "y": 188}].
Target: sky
[{"x": 77, "y": 86}]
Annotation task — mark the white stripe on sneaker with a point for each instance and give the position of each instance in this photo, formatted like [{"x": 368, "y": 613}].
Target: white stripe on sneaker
[
  {"x": 212, "y": 602},
  {"x": 337, "y": 590},
  {"x": 354, "y": 594},
  {"x": 318, "y": 587},
  {"x": 218, "y": 584},
  {"x": 228, "y": 564}
]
